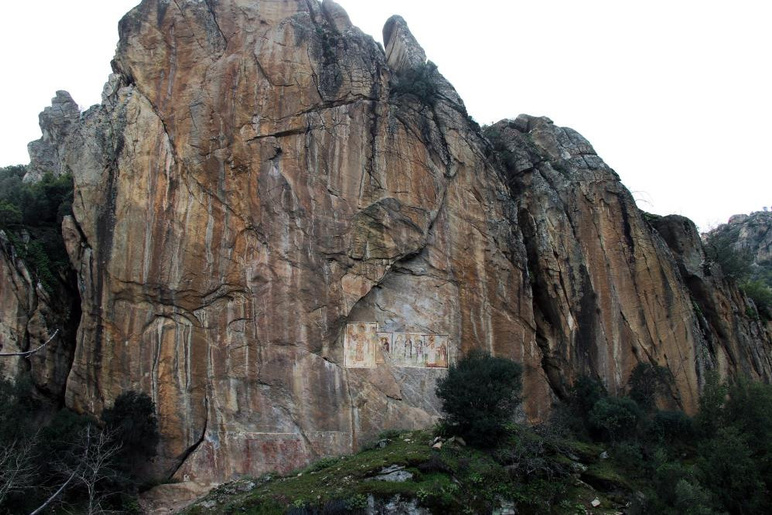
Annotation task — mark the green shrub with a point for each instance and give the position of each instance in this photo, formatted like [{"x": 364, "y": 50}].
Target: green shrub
[
  {"x": 759, "y": 293},
  {"x": 133, "y": 423},
  {"x": 749, "y": 409},
  {"x": 646, "y": 383},
  {"x": 586, "y": 392},
  {"x": 615, "y": 418},
  {"x": 10, "y": 215},
  {"x": 418, "y": 82},
  {"x": 479, "y": 396},
  {"x": 671, "y": 426},
  {"x": 37, "y": 209},
  {"x": 727, "y": 468},
  {"x": 574, "y": 413},
  {"x": 691, "y": 498},
  {"x": 719, "y": 247},
  {"x": 629, "y": 456},
  {"x": 711, "y": 413}
]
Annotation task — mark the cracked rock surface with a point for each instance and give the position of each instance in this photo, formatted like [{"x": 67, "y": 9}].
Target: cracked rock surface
[
  {"x": 248, "y": 188},
  {"x": 254, "y": 181}
]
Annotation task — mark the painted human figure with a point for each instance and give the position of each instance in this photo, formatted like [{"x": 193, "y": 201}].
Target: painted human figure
[
  {"x": 443, "y": 351},
  {"x": 385, "y": 344},
  {"x": 419, "y": 354},
  {"x": 399, "y": 345}
]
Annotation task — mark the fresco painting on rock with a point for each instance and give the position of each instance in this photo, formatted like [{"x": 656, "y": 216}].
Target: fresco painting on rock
[
  {"x": 366, "y": 347},
  {"x": 360, "y": 345}
]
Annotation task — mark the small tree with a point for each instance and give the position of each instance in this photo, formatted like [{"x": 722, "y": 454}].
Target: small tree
[
  {"x": 711, "y": 415},
  {"x": 479, "y": 395},
  {"x": 133, "y": 424},
  {"x": 90, "y": 466},
  {"x": 646, "y": 383},
  {"x": 615, "y": 418}
]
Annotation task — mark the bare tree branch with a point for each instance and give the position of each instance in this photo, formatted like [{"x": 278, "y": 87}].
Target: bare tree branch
[
  {"x": 90, "y": 466},
  {"x": 29, "y": 352},
  {"x": 55, "y": 495},
  {"x": 16, "y": 469}
]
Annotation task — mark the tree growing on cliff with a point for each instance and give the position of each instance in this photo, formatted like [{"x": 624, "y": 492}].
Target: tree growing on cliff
[{"x": 479, "y": 396}]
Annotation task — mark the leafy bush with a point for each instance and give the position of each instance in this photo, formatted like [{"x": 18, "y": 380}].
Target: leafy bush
[
  {"x": 671, "y": 426},
  {"x": 727, "y": 468},
  {"x": 615, "y": 418},
  {"x": 711, "y": 413},
  {"x": 133, "y": 423},
  {"x": 719, "y": 247},
  {"x": 760, "y": 294},
  {"x": 646, "y": 383},
  {"x": 574, "y": 413},
  {"x": 586, "y": 392},
  {"x": 691, "y": 498},
  {"x": 419, "y": 82},
  {"x": 36, "y": 210},
  {"x": 479, "y": 396}
]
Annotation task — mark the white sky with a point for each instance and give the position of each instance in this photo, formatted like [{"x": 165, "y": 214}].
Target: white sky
[{"x": 676, "y": 96}]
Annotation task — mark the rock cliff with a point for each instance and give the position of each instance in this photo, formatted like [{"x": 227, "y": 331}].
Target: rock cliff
[
  {"x": 751, "y": 235},
  {"x": 284, "y": 232},
  {"x": 37, "y": 320}
]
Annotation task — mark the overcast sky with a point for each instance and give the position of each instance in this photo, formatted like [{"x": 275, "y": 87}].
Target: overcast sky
[{"x": 676, "y": 96}]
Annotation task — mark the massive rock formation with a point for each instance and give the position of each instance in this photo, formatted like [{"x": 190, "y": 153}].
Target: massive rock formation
[
  {"x": 258, "y": 190},
  {"x": 283, "y": 232}
]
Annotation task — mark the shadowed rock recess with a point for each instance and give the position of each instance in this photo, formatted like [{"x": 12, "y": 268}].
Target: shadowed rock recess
[{"x": 271, "y": 211}]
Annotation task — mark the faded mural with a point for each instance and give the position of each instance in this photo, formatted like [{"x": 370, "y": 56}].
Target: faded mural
[
  {"x": 366, "y": 347},
  {"x": 360, "y": 345}
]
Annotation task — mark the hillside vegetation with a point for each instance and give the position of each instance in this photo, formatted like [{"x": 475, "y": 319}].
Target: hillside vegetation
[
  {"x": 599, "y": 454},
  {"x": 742, "y": 249},
  {"x": 31, "y": 216}
]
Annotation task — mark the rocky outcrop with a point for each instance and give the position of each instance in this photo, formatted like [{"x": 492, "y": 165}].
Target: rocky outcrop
[
  {"x": 606, "y": 294},
  {"x": 56, "y": 121},
  {"x": 34, "y": 319},
  {"x": 751, "y": 236},
  {"x": 283, "y": 233},
  {"x": 736, "y": 341}
]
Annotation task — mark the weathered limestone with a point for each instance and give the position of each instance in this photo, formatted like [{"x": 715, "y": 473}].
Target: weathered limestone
[
  {"x": 56, "y": 121},
  {"x": 258, "y": 191},
  {"x": 253, "y": 185},
  {"x": 606, "y": 293}
]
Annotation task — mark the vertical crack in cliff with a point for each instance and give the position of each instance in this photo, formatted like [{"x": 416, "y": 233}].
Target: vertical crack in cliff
[
  {"x": 212, "y": 12},
  {"x": 190, "y": 450},
  {"x": 182, "y": 166}
]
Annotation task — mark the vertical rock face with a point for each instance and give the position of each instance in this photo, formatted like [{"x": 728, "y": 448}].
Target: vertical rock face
[
  {"x": 249, "y": 190},
  {"x": 32, "y": 316},
  {"x": 734, "y": 342},
  {"x": 282, "y": 233},
  {"x": 606, "y": 293}
]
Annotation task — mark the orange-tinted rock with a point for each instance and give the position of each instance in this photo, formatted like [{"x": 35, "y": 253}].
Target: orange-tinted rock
[
  {"x": 258, "y": 190},
  {"x": 255, "y": 181}
]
